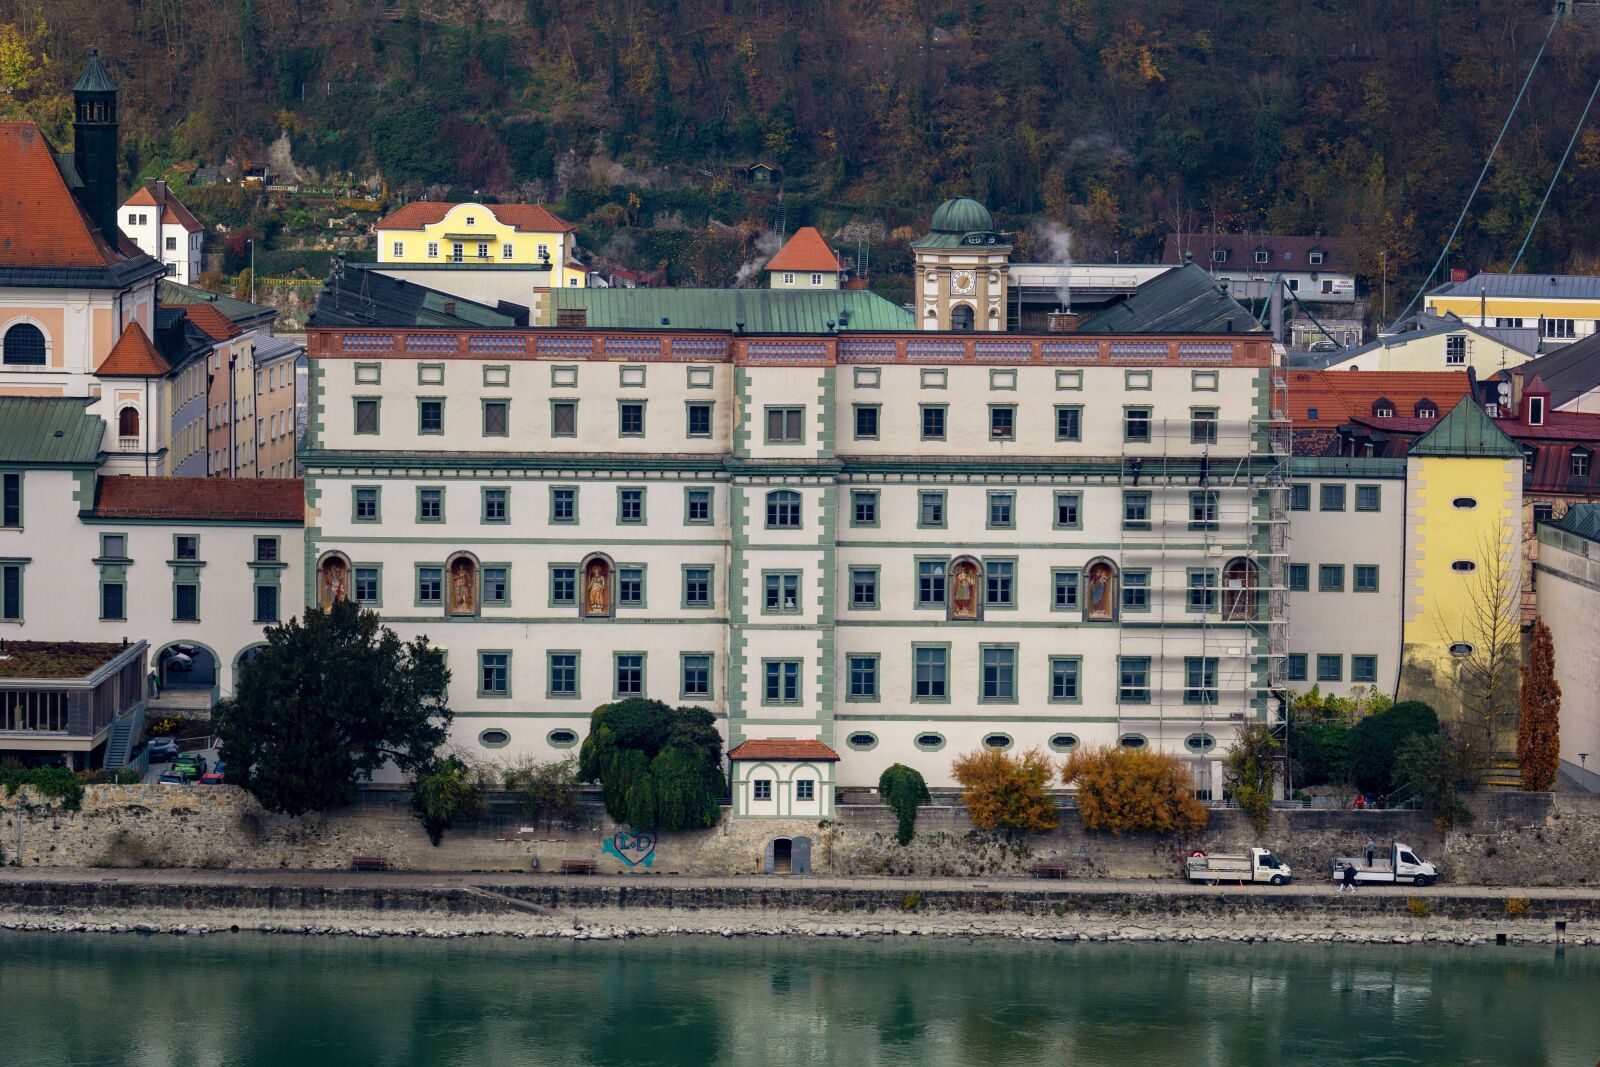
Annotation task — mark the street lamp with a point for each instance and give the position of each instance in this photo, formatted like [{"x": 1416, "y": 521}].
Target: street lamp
[{"x": 252, "y": 270}]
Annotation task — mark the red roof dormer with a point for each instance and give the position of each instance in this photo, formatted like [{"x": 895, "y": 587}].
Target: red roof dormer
[{"x": 1535, "y": 402}]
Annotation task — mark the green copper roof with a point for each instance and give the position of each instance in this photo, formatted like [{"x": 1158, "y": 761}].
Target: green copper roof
[
  {"x": 1466, "y": 432},
  {"x": 49, "y": 431},
  {"x": 961, "y": 215},
  {"x": 795, "y": 311},
  {"x": 94, "y": 78},
  {"x": 1183, "y": 300},
  {"x": 176, "y": 294},
  {"x": 1580, "y": 519}
]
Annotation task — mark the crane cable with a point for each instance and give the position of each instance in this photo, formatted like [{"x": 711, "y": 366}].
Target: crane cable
[
  {"x": 1456, "y": 229},
  {"x": 1537, "y": 215}
]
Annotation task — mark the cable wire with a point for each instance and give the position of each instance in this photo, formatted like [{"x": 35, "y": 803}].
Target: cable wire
[{"x": 1537, "y": 215}]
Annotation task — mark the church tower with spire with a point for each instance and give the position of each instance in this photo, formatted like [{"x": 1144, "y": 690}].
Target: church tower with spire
[{"x": 94, "y": 142}]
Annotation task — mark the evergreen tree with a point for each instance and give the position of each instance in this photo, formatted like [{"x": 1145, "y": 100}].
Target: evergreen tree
[
  {"x": 658, "y": 767},
  {"x": 902, "y": 788},
  {"x": 1539, "y": 729}
]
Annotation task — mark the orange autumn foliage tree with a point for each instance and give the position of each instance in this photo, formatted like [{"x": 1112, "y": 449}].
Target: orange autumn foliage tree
[
  {"x": 1128, "y": 790},
  {"x": 1006, "y": 792},
  {"x": 1539, "y": 729}
]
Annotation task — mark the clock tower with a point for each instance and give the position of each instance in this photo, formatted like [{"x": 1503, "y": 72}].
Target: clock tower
[{"x": 962, "y": 270}]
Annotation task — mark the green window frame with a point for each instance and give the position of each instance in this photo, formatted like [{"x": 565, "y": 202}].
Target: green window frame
[
  {"x": 366, "y": 584},
  {"x": 495, "y": 502},
  {"x": 114, "y": 546},
  {"x": 998, "y": 672},
  {"x": 11, "y": 590},
  {"x": 1002, "y": 422},
  {"x": 1136, "y": 424},
  {"x": 1002, "y": 510},
  {"x": 369, "y": 373},
  {"x": 267, "y": 550},
  {"x": 429, "y": 585},
  {"x": 1294, "y": 667},
  {"x": 1068, "y": 511},
  {"x": 629, "y": 674},
  {"x": 360, "y": 497},
  {"x": 866, "y": 421},
  {"x": 930, "y": 673},
  {"x": 1136, "y": 590},
  {"x": 1069, "y": 422},
  {"x": 695, "y": 673},
  {"x": 1330, "y": 667},
  {"x": 632, "y": 591},
  {"x": 1201, "y": 583},
  {"x": 1300, "y": 496},
  {"x": 497, "y": 376},
  {"x": 1000, "y": 582},
  {"x": 430, "y": 503},
  {"x": 933, "y": 580},
  {"x": 864, "y": 588},
  {"x": 784, "y": 424},
  {"x": 862, "y": 678},
  {"x": 631, "y": 418},
  {"x": 934, "y": 421},
  {"x": 1200, "y": 680},
  {"x": 1066, "y": 680},
  {"x": 1133, "y": 679},
  {"x": 1364, "y": 578},
  {"x": 1202, "y": 426},
  {"x": 1135, "y": 509},
  {"x": 1204, "y": 509},
  {"x": 1369, "y": 498},
  {"x": 563, "y": 585},
  {"x": 430, "y": 373},
  {"x": 186, "y": 600},
  {"x": 563, "y": 675},
  {"x": 496, "y": 416},
  {"x": 699, "y": 586},
  {"x": 366, "y": 411},
  {"x": 1066, "y": 589},
  {"x": 1330, "y": 578},
  {"x": 113, "y": 601},
  {"x": 864, "y": 508},
  {"x": 1299, "y": 577},
  {"x": 563, "y": 417},
  {"x": 1364, "y": 669},
  {"x": 1332, "y": 497},
  {"x": 266, "y": 602},
  {"x": 186, "y": 548},
  {"x": 931, "y": 509},
  {"x": 699, "y": 504},
  {"x": 698, "y": 418},
  {"x": 781, "y": 684},
  {"x": 563, "y": 505},
  {"x": 496, "y": 584},
  {"x": 780, "y": 592},
  {"x": 430, "y": 416},
  {"x": 11, "y": 500},
  {"x": 631, "y": 500},
  {"x": 494, "y": 673}
]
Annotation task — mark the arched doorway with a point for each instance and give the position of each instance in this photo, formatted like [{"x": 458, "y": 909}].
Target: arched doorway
[
  {"x": 782, "y": 855},
  {"x": 1239, "y": 590},
  {"x": 961, "y": 318},
  {"x": 186, "y": 665}
]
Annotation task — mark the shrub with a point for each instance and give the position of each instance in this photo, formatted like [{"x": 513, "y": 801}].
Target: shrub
[
  {"x": 548, "y": 790},
  {"x": 1320, "y": 750},
  {"x": 1378, "y": 738},
  {"x": 1128, "y": 790},
  {"x": 658, "y": 767},
  {"x": 902, "y": 788},
  {"x": 58, "y": 783},
  {"x": 1438, "y": 768},
  {"x": 1005, "y": 792},
  {"x": 1418, "y": 907},
  {"x": 443, "y": 793},
  {"x": 1251, "y": 769},
  {"x": 1516, "y": 907},
  {"x": 911, "y": 902}
]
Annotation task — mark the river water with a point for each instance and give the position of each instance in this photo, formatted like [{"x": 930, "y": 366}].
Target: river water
[{"x": 253, "y": 1000}]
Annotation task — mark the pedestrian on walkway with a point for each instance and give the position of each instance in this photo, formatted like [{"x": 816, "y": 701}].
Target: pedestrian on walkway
[
  {"x": 1372, "y": 850},
  {"x": 1349, "y": 883}
]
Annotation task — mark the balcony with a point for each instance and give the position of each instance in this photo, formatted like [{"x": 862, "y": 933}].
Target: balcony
[{"x": 129, "y": 444}]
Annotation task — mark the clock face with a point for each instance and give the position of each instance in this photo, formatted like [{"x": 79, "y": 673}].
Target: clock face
[{"x": 962, "y": 282}]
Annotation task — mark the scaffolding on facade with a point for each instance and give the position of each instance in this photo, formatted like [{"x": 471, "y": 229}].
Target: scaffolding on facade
[{"x": 1204, "y": 544}]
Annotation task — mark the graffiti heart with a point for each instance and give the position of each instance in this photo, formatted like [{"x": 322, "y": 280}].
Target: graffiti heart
[{"x": 636, "y": 848}]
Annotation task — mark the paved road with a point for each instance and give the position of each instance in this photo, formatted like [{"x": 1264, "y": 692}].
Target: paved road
[{"x": 432, "y": 879}]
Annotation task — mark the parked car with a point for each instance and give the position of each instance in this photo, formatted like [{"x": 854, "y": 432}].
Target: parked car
[
  {"x": 172, "y": 778},
  {"x": 1258, "y": 865},
  {"x": 1402, "y": 865},
  {"x": 180, "y": 657},
  {"x": 162, "y": 749},
  {"x": 1323, "y": 346},
  {"x": 190, "y": 765},
  {"x": 211, "y": 778}
]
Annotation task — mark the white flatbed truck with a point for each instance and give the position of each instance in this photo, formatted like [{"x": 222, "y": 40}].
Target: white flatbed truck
[
  {"x": 1258, "y": 865},
  {"x": 1402, "y": 866}
]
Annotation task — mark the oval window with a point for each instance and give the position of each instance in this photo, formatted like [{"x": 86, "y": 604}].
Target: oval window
[
  {"x": 1200, "y": 742},
  {"x": 1461, "y": 649},
  {"x": 1064, "y": 742},
  {"x": 494, "y": 739},
  {"x": 1001, "y": 741},
  {"x": 562, "y": 738},
  {"x": 930, "y": 742},
  {"x": 1463, "y": 566},
  {"x": 1464, "y": 503},
  {"x": 862, "y": 740},
  {"x": 1131, "y": 741}
]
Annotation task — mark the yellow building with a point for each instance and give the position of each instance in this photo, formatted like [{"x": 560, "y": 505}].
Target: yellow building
[
  {"x": 1562, "y": 307},
  {"x": 482, "y": 235},
  {"x": 1461, "y": 607}
]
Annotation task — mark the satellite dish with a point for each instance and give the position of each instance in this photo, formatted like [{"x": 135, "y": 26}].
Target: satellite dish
[{"x": 1505, "y": 390}]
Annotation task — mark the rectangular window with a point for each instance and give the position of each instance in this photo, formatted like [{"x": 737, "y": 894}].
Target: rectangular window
[
  {"x": 1002, "y": 511},
  {"x": 1294, "y": 668},
  {"x": 697, "y": 507},
  {"x": 1069, "y": 423},
  {"x": 1064, "y": 589},
  {"x": 696, "y": 675},
  {"x": 1299, "y": 577},
  {"x": 433, "y": 249},
  {"x": 186, "y": 546},
  {"x": 563, "y": 586},
  {"x": 1200, "y": 680},
  {"x": 1133, "y": 684},
  {"x": 505, "y": 251},
  {"x": 1300, "y": 497},
  {"x": 1364, "y": 578},
  {"x": 366, "y": 585},
  {"x": 496, "y": 506},
  {"x": 930, "y": 583},
  {"x": 1330, "y": 578},
  {"x": 494, "y": 674},
  {"x": 1455, "y": 350},
  {"x": 1203, "y": 510},
  {"x": 1332, "y": 497},
  {"x": 1203, "y": 426},
  {"x": 762, "y": 787},
  {"x": 933, "y": 422},
  {"x": 863, "y": 677},
  {"x": 399, "y": 249},
  {"x": 630, "y": 506},
  {"x": 999, "y": 673},
  {"x": 1065, "y": 674},
  {"x": 930, "y": 672},
  {"x": 430, "y": 416},
  {"x": 1135, "y": 590},
  {"x": 266, "y": 603},
  {"x": 563, "y": 504},
  {"x": 483, "y": 249},
  {"x": 1330, "y": 668},
  {"x": 863, "y": 507},
  {"x": 781, "y": 682},
  {"x": 1136, "y": 425},
  {"x": 630, "y": 587},
  {"x": 630, "y": 419},
  {"x": 1202, "y": 590},
  {"x": 866, "y": 422},
  {"x": 11, "y": 500},
  {"x": 1135, "y": 510},
  {"x": 1002, "y": 422},
  {"x": 697, "y": 587},
  {"x": 785, "y": 426},
  {"x": 111, "y": 599},
  {"x": 699, "y": 419},
  {"x": 186, "y": 602},
  {"x": 563, "y": 418},
  {"x": 496, "y": 418},
  {"x": 781, "y": 592},
  {"x": 430, "y": 505},
  {"x": 863, "y": 587},
  {"x": 783, "y": 510},
  {"x": 366, "y": 415},
  {"x": 805, "y": 790},
  {"x": 497, "y": 585},
  {"x": 1364, "y": 669},
  {"x": 1069, "y": 511},
  {"x": 1368, "y": 497},
  {"x": 630, "y": 674},
  {"x": 1000, "y": 583},
  {"x": 563, "y": 674},
  {"x": 930, "y": 508},
  {"x": 266, "y": 550},
  {"x": 430, "y": 585},
  {"x": 11, "y": 592}
]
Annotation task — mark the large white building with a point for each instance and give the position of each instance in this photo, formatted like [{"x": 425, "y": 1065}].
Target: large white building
[{"x": 156, "y": 221}]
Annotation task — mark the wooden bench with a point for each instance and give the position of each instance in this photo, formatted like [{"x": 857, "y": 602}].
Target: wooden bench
[
  {"x": 369, "y": 863},
  {"x": 1050, "y": 870},
  {"x": 577, "y": 866}
]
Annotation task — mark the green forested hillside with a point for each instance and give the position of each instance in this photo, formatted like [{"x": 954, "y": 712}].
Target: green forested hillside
[{"x": 1117, "y": 118}]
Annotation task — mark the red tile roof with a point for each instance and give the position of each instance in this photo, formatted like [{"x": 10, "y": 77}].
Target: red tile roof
[
  {"x": 156, "y": 193},
  {"x": 212, "y": 322},
  {"x": 224, "y": 499},
  {"x": 133, "y": 356},
  {"x": 41, "y": 222},
  {"x": 780, "y": 748},
  {"x": 527, "y": 218},
  {"x": 1284, "y": 253},
  {"x": 1339, "y": 396},
  {"x": 805, "y": 251}
]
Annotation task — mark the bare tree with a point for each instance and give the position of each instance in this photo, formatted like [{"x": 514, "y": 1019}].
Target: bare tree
[{"x": 1487, "y": 643}]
